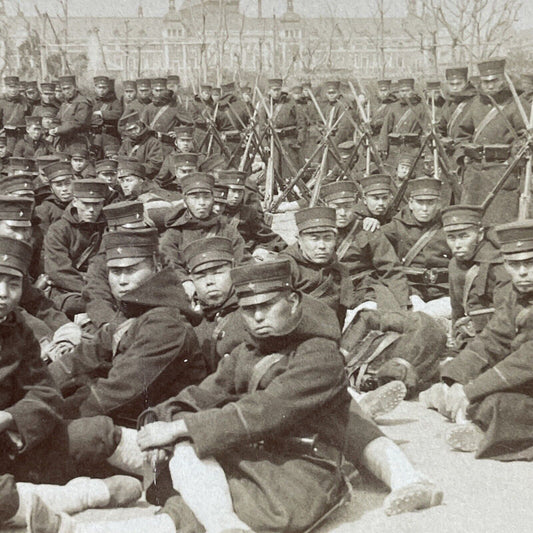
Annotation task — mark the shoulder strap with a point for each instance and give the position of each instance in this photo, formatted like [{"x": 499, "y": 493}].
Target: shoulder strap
[
  {"x": 234, "y": 221},
  {"x": 323, "y": 288},
  {"x": 403, "y": 119},
  {"x": 261, "y": 368},
  {"x": 419, "y": 245},
  {"x": 158, "y": 116},
  {"x": 470, "y": 277},
  {"x": 455, "y": 115},
  {"x": 487, "y": 119},
  {"x": 92, "y": 247},
  {"x": 345, "y": 243}
]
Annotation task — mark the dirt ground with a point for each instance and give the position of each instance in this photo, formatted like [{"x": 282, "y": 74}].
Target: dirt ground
[{"x": 480, "y": 496}]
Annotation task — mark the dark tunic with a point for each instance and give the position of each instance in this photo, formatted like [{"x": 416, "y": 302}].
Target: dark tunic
[
  {"x": 147, "y": 149},
  {"x": 27, "y": 147},
  {"x": 75, "y": 118}
]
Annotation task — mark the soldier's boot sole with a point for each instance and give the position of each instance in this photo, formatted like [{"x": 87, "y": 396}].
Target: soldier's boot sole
[
  {"x": 413, "y": 497},
  {"x": 42, "y": 519},
  {"x": 384, "y": 399},
  {"x": 464, "y": 437}
]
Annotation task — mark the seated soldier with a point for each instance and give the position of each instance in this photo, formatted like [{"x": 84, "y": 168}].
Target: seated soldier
[
  {"x": 106, "y": 170},
  {"x": 195, "y": 222},
  {"x": 33, "y": 143},
  {"x": 417, "y": 237},
  {"x": 404, "y": 165},
  {"x": 20, "y": 185},
  {"x": 235, "y": 469},
  {"x": 46, "y": 322},
  {"x": 377, "y": 196},
  {"x": 182, "y": 164},
  {"x": 140, "y": 143},
  {"x": 71, "y": 242},
  {"x": 209, "y": 262},
  {"x": 80, "y": 161},
  {"x": 477, "y": 274},
  {"x": 60, "y": 177},
  {"x": 489, "y": 382},
  {"x": 371, "y": 261},
  {"x": 259, "y": 238}
]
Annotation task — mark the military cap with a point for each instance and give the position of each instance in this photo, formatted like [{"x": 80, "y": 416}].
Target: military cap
[
  {"x": 110, "y": 151},
  {"x": 102, "y": 80},
  {"x": 67, "y": 80},
  {"x": 58, "y": 170},
  {"x": 516, "y": 238},
  {"x": 408, "y": 83},
  {"x": 185, "y": 159},
  {"x": 457, "y": 72},
  {"x": 406, "y": 159},
  {"x": 257, "y": 283},
  {"x": 184, "y": 132},
  {"x": 78, "y": 150},
  {"x": 233, "y": 179},
  {"x": 45, "y": 160},
  {"x": 159, "y": 82},
  {"x": 457, "y": 217},
  {"x": 33, "y": 121},
  {"x": 47, "y": 87},
  {"x": 197, "y": 181},
  {"x": 275, "y": 83},
  {"x": 11, "y": 81},
  {"x": 376, "y": 183},
  {"x": 129, "y": 119},
  {"x": 246, "y": 89},
  {"x": 220, "y": 193},
  {"x": 206, "y": 253},
  {"x": 384, "y": 84},
  {"x": 424, "y": 188},
  {"x": 50, "y": 112},
  {"x": 18, "y": 165},
  {"x": 130, "y": 246},
  {"x": 173, "y": 78},
  {"x": 31, "y": 84},
  {"x": 128, "y": 166},
  {"x": 106, "y": 165},
  {"x": 90, "y": 189},
  {"x": 216, "y": 90},
  {"x": 206, "y": 87},
  {"x": 315, "y": 218},
  {"x": 143, "y": 82},
  {"x": 228, "y": 87},
  {"x": 333, "y": 85},
  {"x": 122, "y": 213},
  {"x": 17, "y": 183},
  {"x": 297, "y": 89},
  {"x": 491, "y": 66},
  {"x": 129, "y": 84},
  {"x": 16, "y": 211},
  {"x": 15, "y": 257},
  {"x": 339, "y": 190},
  {"x": 433, "y": 85}
]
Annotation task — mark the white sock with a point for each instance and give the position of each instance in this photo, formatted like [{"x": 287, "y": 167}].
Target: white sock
[{"x": 128, "y": 455}]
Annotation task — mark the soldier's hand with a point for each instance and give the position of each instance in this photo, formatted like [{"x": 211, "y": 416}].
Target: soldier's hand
[
  {"x": 260, "y": 254},
  {"x": 371, "y": 224},
  {"x": 159, "y": 434},
  {"x": 52, "y": 132},
  {"x": 156, "y": 456}
]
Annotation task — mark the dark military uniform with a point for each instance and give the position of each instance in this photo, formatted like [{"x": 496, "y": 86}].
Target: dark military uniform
[
  {"x": 105, "y": 125},
  {"x": 27, "y": 147},
  {"x": 13, "y": 111},
  {"x": 380, "y": 111},
  {"x": 147, "y": 149},
  {"x": 487, "y": 139},
  {"x": 49, "y": 211},
  {"x": 75, "y": 117}
]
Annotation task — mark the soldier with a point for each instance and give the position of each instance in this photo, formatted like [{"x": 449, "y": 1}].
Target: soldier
[
  {"x": 129, "y": 97},
  {"x": 107, "y": 110},
  {"x": 197, "y": 221},
  {"x": 459, "y": 98},
  {"x": 403, "y": 125},
  {"x": 58, "y": 93},
  {"x": 82, "y": 166},
  {"x": 141, "y": 143},
  {"x": 33, "y": 96},
  {"x": 184, "y": 143},
  {"x": 144, "y": 92},
  {"x": 60, "y": 177},
  {"x": 131, "y": 178},
  {"x": 487, "y": 134},
  {"x": 178, "y": 165},
  {"x": 33, "y": 143},
  {"x": 377, "y": 195},
  {"x": 75, "y": 114},
  {"x": 72, "y": 241},
  {"x": 48, "y": 101},
  {"x": 489, "y": 382},
  {"x": 417, "y": 237},
  {"x": 385, "y": 98},
  {"x": 289, "y": 126},
  {"x": 247, "y": 98},
  {"x": 209, "y": 262},
  {"x": 477, "y": 274},
  {"x": 20, "y": 185},
  {"x": 402, "y": 169},
  {"x": 174, "y": 86},
  {"x": 13, "y": 109},
  {"x": 163, "y": 114}
]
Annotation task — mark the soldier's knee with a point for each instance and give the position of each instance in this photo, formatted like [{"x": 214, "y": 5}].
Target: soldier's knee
[{"x": 93, "y": 439}]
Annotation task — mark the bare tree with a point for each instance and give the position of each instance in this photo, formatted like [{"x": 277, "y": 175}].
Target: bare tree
[{"x": 376, "y": 34}]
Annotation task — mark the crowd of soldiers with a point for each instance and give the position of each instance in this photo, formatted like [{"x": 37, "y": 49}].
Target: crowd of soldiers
[{"x": 154, "y": 326}]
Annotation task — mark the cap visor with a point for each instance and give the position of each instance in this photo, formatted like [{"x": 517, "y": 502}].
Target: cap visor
[
  {"x": 256, "y": 299},
  {"x": 458, "y": 227},
  {"x": 124, "y": 261},
  {"x": 517, "y": 256},
  {"x": 196, "y": 269},
  {"x": 425, "y": 196},
  {"x": 11, "y": 271},
  {"x": 19, "y": 223}
]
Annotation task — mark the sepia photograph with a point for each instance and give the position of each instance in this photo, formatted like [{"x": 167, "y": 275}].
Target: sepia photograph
[{"x": 266, "y": 266}]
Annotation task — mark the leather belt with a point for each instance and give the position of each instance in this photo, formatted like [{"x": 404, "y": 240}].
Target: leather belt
[
  {"x": 399, "y": 139},
  {"x": 488, "y": 152},
  {"x": 427, "y": 276},
  {"x": 311, "y": 446}
]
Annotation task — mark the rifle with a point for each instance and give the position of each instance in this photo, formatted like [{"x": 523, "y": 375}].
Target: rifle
[{"x": 323, "y": 165}]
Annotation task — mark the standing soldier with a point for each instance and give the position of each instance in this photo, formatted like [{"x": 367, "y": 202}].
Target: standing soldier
[
  {"x": 75, "y": 114},
  {"x": 48, "y": 101},
  {"x": 129, "y": 97},
  {"x": 288, "y": 123},
  {"x": 458, "y": 101},
  {"x": 403, "y": 124},
  {"x": 487, "y": 134},
  {"x": 13, "y": 109},
  {"x": 141, "y": 143},
  {"x": 107, "y": 109},
  {"x": 33, "y": 96},
  {"x": 144, "y": 91},
  {"x": 385, "y": 98}
]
